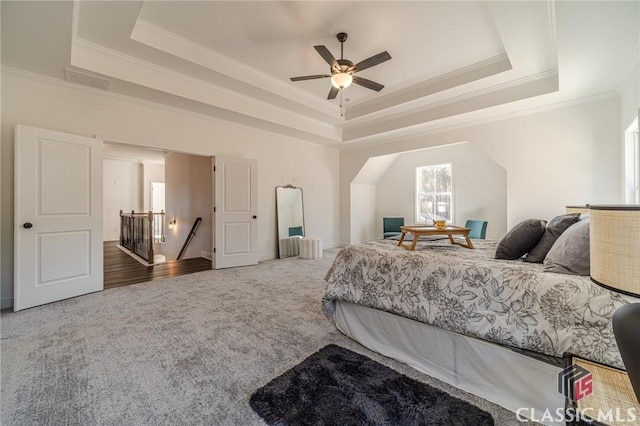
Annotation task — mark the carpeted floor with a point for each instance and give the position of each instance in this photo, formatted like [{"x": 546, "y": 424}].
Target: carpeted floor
[{"x": 186, "y": 350}]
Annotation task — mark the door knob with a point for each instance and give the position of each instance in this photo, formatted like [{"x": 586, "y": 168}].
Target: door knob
[
  {"x": 255, "y": 217},
  {"x": 27, "y": 225}
]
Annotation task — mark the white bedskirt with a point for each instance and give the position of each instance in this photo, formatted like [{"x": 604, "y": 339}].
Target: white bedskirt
[{"x": 514, "y": 381}]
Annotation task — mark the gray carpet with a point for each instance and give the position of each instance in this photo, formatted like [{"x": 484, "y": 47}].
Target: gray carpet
[{"x": 185, "y": 350}]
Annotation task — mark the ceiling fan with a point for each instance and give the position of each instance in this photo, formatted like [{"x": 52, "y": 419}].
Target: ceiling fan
[{"x": 342, "y": 70}]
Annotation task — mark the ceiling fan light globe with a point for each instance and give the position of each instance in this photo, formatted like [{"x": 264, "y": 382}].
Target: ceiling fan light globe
[{"x": 341, "y": 80}]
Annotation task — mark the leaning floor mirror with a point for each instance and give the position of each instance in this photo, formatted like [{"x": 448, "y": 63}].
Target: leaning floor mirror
[{"x": 290, "y": 214}]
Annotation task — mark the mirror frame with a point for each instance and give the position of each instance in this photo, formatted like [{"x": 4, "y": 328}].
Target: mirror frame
[{"x": 304, "y": 230}]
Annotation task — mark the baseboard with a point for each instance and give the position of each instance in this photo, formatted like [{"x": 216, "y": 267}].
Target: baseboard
[
  {"x": 265, "y": 257},
  {"x": 274, "y": 255},
  {"x": 6, "y": 303},
  {"x": 206, "y": 254}
]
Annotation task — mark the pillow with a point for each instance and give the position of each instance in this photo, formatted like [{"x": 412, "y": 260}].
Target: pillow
[
  {"x": 555, "y": 228},
  {"x": 570, "y": 253},
  {"x": 522, "y": 238}
]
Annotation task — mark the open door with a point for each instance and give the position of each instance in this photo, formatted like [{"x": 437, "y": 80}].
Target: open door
[
  {"x": 58, "y": 216},
  {"x": 235, "y": 212}
]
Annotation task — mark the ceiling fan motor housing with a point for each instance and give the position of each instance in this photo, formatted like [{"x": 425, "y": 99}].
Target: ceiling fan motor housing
[{"x": 343, "y": 66}]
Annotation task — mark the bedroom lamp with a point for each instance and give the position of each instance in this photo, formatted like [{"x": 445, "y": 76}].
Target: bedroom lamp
[{"x": 615, "y": 247}]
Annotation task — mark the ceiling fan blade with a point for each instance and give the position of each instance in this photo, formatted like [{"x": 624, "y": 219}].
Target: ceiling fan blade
[
  {"x": 367, "y": 83},
  {"x": 372, "y": 61},
  {"x": 326, "y": 55},
  {"x": 333, "y": 92},
  {"x": 310, "y": 77}
]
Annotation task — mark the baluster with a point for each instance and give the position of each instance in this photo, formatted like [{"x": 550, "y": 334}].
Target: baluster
[
  {"x": 121, "y": 229},
  {"x": 162, "y": 236},
  {"x": 150, "y": 237},
  {"x": 133, "y": 232}
]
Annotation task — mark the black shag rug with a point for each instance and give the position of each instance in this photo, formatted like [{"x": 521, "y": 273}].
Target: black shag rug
[{"x": 336, "y": 386}]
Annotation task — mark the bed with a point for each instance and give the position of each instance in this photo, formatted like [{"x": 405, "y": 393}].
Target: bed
[{"x": 496, "y": 328}]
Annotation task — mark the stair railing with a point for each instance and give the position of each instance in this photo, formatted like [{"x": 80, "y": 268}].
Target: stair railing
[
  {"x": 192, "y": 233},
  {"x": 139, "y": 231}
]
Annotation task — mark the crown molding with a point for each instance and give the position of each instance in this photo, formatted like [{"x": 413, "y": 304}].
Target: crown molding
[
  {"x": 462, "y": 122},
  {"x": 511, "y": 91},
  {"x": 553, "y": 35},
  {"x": 175, "y": 110},
  {"x": 414, "y": 92},
  {"x": 97, "y": 58},
  {"x": 156, "y": 37}
]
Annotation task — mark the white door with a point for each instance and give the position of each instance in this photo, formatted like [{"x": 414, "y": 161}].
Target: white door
[
  {"x": 157, "y": 197},
  {"x": 58, "y": 216},
  {"x": 236, "y": 212}
]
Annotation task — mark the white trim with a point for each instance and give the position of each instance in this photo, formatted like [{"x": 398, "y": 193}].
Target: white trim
[
  {"x": 97, "y": 58},
  {"x": 125, "y": 159},
  {"x": 487, "y": 90},
  {"x": 171, "y": 43},
  {"x": 147, "y": 103},
  {"x": 424, "y": 89},
  {"x": 553, "y": 36},
  {"x": 447, "y": 126}
]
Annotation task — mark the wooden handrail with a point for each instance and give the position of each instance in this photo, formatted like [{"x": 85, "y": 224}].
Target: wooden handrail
[
  {"x": 196, "y": 223},
  {"x": 138, "y": 232}
]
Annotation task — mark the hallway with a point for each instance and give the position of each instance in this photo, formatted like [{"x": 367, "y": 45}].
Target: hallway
[{"x": 121, "y": 269}]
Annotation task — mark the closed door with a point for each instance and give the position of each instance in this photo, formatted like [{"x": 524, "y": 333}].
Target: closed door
[
  {"x": 58, "y": 216},
  {"x": 236, "y": 212}
]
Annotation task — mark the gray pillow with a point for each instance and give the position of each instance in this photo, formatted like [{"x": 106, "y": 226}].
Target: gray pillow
[
  {"x": 555, "y": 228},
  {"x": 570, "y": 253},
  {"x": 522, "y": 238}
]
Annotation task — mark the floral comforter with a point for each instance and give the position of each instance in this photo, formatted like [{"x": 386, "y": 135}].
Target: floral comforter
[{"x": 469, "y": 292}]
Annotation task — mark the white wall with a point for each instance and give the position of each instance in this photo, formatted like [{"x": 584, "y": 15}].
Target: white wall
[
  {"x": 363, "y": 210},
  {"x": 188, "y": 195},
  {"x": 121, "y": 191},
  {"x": 553, "y": 158},
  {"x": 41, "y": 102},
  {"x": 630, "y": 97},
  {"x": 479, "y": 187}
]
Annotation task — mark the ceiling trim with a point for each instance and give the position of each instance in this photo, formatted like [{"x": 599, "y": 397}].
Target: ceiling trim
[
  {"x": 442, "y": 126},
  {"x": 471, "y": 73},
  {"x": 300, "y": 138},
  {"x": 97, "y": 58},
  {"x": 151, "y": 35},
  {"x": 511, "y": 91}
]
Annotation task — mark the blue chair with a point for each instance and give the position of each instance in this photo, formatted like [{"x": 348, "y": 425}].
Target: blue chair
[
  {"x": 478, "y": 229},
  {"x": 391, "y": 226},
  {"x": 295, "y": 231}
]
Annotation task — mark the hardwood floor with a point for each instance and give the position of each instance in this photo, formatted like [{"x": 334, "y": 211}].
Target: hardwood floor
[{"x": 121, "y": 269}]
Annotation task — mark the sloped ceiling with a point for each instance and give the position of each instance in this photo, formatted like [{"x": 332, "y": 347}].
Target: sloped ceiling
[{"x": 452, "y": 62}]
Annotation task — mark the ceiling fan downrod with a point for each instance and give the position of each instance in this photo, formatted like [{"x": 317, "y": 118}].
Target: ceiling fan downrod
[{"x": 342, "y": 37}]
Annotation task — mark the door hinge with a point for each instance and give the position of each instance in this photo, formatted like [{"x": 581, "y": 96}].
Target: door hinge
[
  {"x": 214, "y": 168},
  {"x": 214, "y": 209},
  {"x": 214, "y": 249}
]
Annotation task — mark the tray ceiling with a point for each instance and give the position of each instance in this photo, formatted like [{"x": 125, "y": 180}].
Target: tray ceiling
[{"x": 452, "y": 62}]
